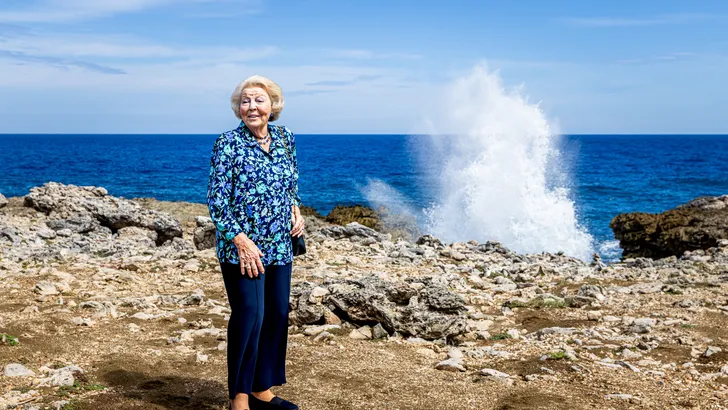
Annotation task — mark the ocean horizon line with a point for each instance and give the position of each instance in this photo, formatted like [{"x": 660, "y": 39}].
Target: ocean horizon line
[{"x": 371, "y": 134}]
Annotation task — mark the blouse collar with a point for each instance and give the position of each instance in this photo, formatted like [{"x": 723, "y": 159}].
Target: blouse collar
[{"x": 249, "y": 139}]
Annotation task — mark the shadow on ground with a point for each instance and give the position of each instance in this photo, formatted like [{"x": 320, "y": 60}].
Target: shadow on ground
[{"x": 135, "y": 390}]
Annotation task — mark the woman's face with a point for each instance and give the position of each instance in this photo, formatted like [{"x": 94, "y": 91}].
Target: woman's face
[{"x": 255, "y": 107}]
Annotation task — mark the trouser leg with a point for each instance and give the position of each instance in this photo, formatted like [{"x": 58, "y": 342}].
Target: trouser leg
[
  {"x": 270, "y": 369},
  {"x": 247, "y": 298}
]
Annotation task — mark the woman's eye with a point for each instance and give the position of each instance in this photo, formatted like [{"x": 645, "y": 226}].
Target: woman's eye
[{"x": 259, "y": 100}]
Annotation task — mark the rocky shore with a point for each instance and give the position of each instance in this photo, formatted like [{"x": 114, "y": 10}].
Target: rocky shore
[{"x": 110, "y": 303}]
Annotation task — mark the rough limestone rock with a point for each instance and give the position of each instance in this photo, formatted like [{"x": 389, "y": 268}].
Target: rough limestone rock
[
  {"x": 81, "y": 209},
  {"x": 204, "y": 235},
  {"x": 3, "y": 201},
  {"x": 354, "y": 231},
  {"x": 17, "y": 370},
  {"x": 434, "y": 312},
  {"x": 698, "y": 224}
]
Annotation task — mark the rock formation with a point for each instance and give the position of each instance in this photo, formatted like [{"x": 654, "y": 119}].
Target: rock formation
[{"x": 697, "y": 225}]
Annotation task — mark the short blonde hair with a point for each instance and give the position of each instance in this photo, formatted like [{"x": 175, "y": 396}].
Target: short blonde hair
[{"x": 274, "y": 93}]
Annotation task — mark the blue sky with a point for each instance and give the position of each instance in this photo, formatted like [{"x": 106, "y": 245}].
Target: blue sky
[{"x": 169, "y": 66}]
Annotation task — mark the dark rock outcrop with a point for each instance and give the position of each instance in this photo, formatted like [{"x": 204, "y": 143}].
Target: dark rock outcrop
[
  {"x": 342, "y": 215},
  {"x": 402, "y": 226},
  {"x": 698, "y": 224}
]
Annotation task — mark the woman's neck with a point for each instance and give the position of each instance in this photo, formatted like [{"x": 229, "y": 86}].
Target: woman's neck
[{"x": 259, "y": 132}]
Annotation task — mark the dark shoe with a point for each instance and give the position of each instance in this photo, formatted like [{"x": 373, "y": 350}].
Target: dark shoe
[
  {"x": 276, "y": 403},
  {"x": 283, "y": 404}
]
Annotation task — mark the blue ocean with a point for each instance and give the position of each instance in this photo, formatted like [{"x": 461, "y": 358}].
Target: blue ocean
[{"x": 608, "y": 174}]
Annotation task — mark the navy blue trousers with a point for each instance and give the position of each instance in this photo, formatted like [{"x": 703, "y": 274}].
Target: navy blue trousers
[{"x": 257, "y": 333}]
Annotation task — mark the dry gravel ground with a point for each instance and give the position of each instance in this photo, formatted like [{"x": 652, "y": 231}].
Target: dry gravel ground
[{"x": 131, "y": 363}]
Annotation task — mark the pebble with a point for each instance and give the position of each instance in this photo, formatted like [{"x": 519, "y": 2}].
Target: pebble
[
  {"x": 315, "y": 330},
  {"x": 142, "y": 316},
  {"x": 494, "y": 373},
  {"x": 628, "y": 354},
  {"x": 452, "y": 365},
  {"x": 46, "y": 233},
  {"x": 80, "y": 321},
  {"x": 362, "y": 333},
  {"x": 711, "y": 350},
  {"x": 618, "y": 396},
  {"x": 46, "y": 288},
  {"x": 378, "y": 332},
  {"x": 201, "y": 358},
  {"x": 317, "y": 295},
  {"x": 323, "y": 336}
]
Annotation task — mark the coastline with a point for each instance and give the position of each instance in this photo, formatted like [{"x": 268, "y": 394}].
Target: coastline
[{"x": 429, "y": 320}]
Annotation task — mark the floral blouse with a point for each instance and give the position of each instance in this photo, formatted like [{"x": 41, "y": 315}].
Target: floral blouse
[{"x": 252, "y": 191}]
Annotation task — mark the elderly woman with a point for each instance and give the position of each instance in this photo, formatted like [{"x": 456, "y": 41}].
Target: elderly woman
[{"x": 253, "y": 201}]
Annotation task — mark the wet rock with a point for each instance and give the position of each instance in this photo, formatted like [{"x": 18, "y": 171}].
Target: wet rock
[
  {"x": 698, "y": 224},
  {"x": 343, "y": 215}
]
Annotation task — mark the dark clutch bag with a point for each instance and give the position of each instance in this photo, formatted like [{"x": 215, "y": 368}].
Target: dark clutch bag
[{"x": 298, "y": 245}]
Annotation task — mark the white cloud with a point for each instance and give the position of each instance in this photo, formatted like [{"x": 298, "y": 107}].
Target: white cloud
[
  {"x": 647, "y": 21},
  {"x": 370, "y": 55},
  {"x": 671, "y": 57},
  {"x": 60, "y": 11}
]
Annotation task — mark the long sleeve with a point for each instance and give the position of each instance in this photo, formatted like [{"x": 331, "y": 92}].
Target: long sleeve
[
  {"x": 219, "y": 190},
  {"x": 294, "y": 186}
]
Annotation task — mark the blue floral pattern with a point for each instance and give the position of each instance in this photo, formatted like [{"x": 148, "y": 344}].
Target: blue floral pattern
[{"x": 252, "y": 191}]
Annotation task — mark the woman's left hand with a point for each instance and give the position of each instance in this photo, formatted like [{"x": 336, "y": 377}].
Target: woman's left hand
[{"x": 298, "y": 223}]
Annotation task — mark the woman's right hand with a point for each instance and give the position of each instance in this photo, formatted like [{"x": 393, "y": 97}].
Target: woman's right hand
[{"x": 249, "y": 255}]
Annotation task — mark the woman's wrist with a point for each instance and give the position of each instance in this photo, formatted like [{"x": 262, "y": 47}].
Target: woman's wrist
[{"x": 240, "y": 240}]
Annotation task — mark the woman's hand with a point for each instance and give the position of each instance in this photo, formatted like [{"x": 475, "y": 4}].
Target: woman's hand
[
  {"x": 298, "y": 222},
  {"x": 250, "y": 255}
]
